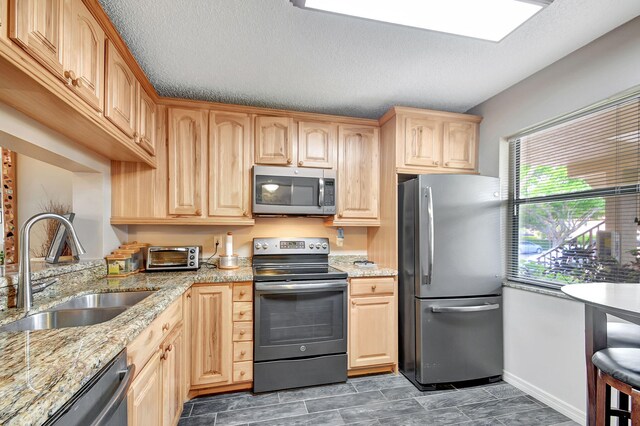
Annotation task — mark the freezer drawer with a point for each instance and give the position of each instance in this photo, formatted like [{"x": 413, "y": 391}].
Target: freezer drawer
[{"x": 458, "y": 339}]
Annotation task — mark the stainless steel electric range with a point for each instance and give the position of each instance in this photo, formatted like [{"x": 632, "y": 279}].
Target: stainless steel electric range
[{"x": 300, "y": 333}]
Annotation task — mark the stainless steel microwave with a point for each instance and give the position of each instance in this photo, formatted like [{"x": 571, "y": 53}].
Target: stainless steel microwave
[{"x": 294, "y": 191}]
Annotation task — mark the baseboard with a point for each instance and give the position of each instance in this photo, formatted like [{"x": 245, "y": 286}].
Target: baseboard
[{"x": 570, "y": 411}]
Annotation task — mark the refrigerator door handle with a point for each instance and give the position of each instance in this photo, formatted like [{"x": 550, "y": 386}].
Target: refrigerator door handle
[
  {"x": 462, "y": 309},
  {"x": 428, "y": 194}
]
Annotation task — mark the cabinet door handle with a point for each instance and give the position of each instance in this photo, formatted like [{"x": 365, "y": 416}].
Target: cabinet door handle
[
  {"x": 170, "y": 347},
  {"x": 165, "y": 327},
  {"x": 77, "y": 82},
  {"x": 198, "y": 212},
  {"x": 435, "y": 163},
  {"x": 163, "y": 356},
  {"x": 289, "y": 161},
  {"x": 70, "y": 75},
  {"x": 300, "y": 163},
  {"x": 353, "y": 302},
  {"x": 446, "y": 164},
  {"x": 245, "y": 213},
  {"x": 188, "y": 295}
]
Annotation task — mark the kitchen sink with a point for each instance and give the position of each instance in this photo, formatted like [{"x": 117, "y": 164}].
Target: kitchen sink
[
  {"x": 104, "y": 300},
  {"x": 64, "y": 318}
]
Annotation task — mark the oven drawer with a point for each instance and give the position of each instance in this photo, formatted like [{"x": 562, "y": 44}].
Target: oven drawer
[
  {"x": 371, "y": 286},
  {"x": 242, "y": 311}
]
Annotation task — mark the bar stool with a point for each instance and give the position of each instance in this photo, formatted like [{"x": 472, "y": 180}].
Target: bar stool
[
  {"x": 618, "y": 368},
  {"x": 622, "y": 335}
]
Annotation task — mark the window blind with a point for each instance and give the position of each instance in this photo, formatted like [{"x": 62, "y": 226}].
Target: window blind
[{"x": 575, "y": 198}]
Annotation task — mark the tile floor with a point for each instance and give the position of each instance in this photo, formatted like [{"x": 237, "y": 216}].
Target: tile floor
[{"x": 374, "y": 400}]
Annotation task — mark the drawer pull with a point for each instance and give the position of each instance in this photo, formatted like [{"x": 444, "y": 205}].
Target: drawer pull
[
  {"x": 243, "y": 353},
  {"x": 373, "y": 287},
  {"x": 242, "y": 313},
  {"x": 242, "y": 332},
  {"x": 242, "y": 293},
  {"x": 242, "y": 373}
]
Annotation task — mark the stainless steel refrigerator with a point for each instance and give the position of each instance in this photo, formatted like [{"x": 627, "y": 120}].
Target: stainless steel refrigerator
[{"x": 450, "y": 303}]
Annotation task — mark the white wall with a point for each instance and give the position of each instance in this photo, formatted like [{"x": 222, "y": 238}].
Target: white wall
[
  {"x": 544, "y": 349},
  {"x": 544, "y": 335},
  {"x": 37, "y": 184},
  {"x": 89, "y": 175}
]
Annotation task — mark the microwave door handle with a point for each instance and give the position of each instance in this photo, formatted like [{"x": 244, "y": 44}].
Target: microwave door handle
[{"x": 321, "y": 192}]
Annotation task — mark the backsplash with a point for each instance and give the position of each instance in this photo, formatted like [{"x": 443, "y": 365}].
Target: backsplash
[{"x": 355, "y": 239}]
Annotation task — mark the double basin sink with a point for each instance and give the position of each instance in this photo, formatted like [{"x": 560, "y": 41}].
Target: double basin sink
[{"x": 84, "y": 310}]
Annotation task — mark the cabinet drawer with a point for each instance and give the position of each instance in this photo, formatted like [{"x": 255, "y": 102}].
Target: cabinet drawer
[
  {"x": 242, "y": 371},
  {"x": 141, "y": 349},
  {"x": 242, "y": 311},
  {"x": 242, "y": 351},
  {"x": 372, "y": 286},
  {"x": 242, "y": 331},
  {"x": 243, "y": 292}
]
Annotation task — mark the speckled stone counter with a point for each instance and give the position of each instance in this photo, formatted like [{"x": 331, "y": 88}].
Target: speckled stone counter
[{"x": 42, "y": 370}]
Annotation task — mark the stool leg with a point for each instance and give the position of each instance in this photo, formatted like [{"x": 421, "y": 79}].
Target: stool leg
[
  {"x": 607, "y": 405},
  {"x": 601, "y": 400}
]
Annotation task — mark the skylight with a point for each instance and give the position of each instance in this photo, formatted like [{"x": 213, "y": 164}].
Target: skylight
[{"x": 484, "y": 19}]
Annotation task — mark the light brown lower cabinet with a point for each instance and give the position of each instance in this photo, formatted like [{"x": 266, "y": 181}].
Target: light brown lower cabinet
[
  {"x": 372, "y": 323},
  {"x": 221, "y": 335},
  {"x": 144, "y": 400},
  {"x": 157, "y": 393}
]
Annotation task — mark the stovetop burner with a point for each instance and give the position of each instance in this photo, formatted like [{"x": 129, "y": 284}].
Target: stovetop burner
[{"x": 293, "y": 259}]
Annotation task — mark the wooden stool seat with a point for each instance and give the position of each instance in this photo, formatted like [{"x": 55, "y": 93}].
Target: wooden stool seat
[
  {"x": 618, "y": 368},
  {"x": 621, "y": 335}
]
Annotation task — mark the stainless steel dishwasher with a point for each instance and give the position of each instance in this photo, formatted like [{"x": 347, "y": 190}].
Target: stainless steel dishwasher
[{"x": 102, "y": 401}]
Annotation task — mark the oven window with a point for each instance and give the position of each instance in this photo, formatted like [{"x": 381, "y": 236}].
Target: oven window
[
  {"x": 286, "y": 191},
  {"x": 301, "y": 318},
  {"x": 170, "y": 258}
]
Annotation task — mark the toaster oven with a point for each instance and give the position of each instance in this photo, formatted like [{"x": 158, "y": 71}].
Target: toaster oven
[{"x": 173, "y": 258}]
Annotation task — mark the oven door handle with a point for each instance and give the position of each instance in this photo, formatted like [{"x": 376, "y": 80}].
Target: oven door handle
[{"x": 300, "y": 286}]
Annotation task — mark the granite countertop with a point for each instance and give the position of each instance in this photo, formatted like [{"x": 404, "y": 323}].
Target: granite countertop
[{"x": 41, "y": 370}]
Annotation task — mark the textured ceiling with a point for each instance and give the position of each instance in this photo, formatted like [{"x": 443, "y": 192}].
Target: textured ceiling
[{"x": 269, "y": 53}]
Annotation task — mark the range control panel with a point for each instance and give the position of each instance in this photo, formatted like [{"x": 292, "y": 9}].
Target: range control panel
[{"x": 290, "y": 245}]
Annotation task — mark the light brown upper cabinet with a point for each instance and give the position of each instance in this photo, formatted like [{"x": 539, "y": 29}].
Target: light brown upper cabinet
[
  {"x": 64, "y": 37},
  {"x": 460, "y": 145},
  {"x": 84, "y": 54},
  {"x": 4, "y": 10},
  {"x": 229, "y": 164},
  {"x": 317, "y": 145},
  {"x": 434, "y": 141},
  {"x": 38, "y": 27},
  {"x": 120, "y": 98},
  {"x": 274, "y": 140},
  {"x": 186, "y": 153},
  {"x": 423, "y": 144},
  {"x": 145, "y": 121},
  {"x": 358, "y": 175}
]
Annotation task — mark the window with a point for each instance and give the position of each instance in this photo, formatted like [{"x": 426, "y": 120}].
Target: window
[{"x": 575, "y": 198}]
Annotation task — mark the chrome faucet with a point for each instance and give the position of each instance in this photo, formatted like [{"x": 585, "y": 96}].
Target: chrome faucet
[{"x": 25, "y": 294}]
